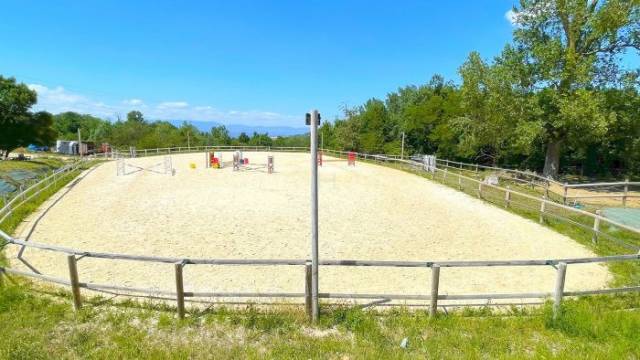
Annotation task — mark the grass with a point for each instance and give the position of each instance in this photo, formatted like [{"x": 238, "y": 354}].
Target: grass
[
  {"x": 42, "y": 326},
  {"x": 36, "y": 164},
  {"x": 37, "y": 321}
]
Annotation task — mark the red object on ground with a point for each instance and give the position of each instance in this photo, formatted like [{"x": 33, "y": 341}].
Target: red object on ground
[
  {"x": 246, "y": 161},
  {"x": 215, "y": 160},
  {"x": 352, "y": 158}
]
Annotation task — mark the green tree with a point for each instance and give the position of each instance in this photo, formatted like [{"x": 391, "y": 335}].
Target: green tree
[
  {"x": 220, "y": 135},
  {"x": 570, "y": 48},
  {"x": 135, "y": 116},
  {"x": 243, "y": 138},
  {"x": 20, "y": 126}
]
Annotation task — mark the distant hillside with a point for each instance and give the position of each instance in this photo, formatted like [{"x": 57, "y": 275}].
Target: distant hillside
[{"x": 236, "y": 129}]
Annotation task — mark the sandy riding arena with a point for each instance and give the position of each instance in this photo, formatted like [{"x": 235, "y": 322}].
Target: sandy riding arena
[{"x": 367, "y": 212}]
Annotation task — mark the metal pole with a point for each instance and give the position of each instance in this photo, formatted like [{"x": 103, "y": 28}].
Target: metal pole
[
  {"x": 79, "y": 143},
  {"x": 402, "y": 149},
  {"x": 315, "y": 311}
]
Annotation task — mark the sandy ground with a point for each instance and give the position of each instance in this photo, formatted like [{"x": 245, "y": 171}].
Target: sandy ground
[{"x": 366, "y": 212}]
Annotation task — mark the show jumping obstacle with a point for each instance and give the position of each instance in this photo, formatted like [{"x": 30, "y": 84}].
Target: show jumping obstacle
[
  {"x": 242, "y": 163},
  {"x": 351, "y": 159},
  {"x": 167, "y": 167},
  {"x": 213, "y": 161}
]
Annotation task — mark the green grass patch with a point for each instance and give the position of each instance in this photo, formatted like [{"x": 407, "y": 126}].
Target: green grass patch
[{"x": 38, "y": 326}]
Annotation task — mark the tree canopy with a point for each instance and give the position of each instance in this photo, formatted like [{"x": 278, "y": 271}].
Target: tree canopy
[{"x": 20, "y": 126}]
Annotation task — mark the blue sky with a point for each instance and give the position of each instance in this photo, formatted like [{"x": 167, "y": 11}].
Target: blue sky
[{"x": 247, "y": 62}]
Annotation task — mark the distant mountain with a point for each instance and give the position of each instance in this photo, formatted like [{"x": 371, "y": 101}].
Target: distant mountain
[{"x": 236, "y": 129}]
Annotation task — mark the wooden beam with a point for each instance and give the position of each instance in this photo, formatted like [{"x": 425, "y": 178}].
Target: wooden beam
[
  {"x": 179, "y": 290},
  {"x": 435, "y": 282},
  {"x": 74, "y": 281},
  {"x": 558, "y": 292}
]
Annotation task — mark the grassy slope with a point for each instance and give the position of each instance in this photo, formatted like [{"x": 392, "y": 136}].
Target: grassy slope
[
  {"x": 41, "y": 326},
  {"x": 36, "y": 325}
]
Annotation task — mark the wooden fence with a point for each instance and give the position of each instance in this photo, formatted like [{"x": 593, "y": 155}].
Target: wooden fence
[
  {"x": 181, "y": 295},
  {"x": 542, "y": 183}
]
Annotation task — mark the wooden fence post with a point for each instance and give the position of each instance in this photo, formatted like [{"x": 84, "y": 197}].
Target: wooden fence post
[
  {"x": 507, "y": 197},
  {"x": 626, "y": 192},
  {"x": 459, "y": 182},
  {"x": 543, "y": 203},
  {"x": 480, "y": 189},
  {"x": 546, "y": 189},
  {"x": 596, "y": 227},
  {"x": 476, "y": 169},
  {"x": 559, "y": 289},
  {"x": 435, "y": 282},
  {"x": 179, "y": 290},
  {"x": 75, "y": 282},
  {"x": 564, "y": 196},
  {"x": 307, "y": 289},
  {"x": 444, "y": 174}
]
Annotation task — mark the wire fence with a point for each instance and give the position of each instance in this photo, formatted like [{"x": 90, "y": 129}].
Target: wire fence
[{"x": 599, "y": 227}]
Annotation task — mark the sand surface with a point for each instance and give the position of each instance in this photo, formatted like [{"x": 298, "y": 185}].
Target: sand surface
[{"x": 366, "y": 212}]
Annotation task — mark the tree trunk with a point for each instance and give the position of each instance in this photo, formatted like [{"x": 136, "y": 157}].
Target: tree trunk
[{"x": 552, "y": 159}]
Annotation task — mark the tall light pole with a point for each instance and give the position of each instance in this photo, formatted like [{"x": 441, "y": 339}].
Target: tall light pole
[{"x": 313, "y": 119}]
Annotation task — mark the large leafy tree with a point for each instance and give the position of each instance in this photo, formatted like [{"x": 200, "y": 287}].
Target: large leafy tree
[
  {"x": 570, "y": 49},
  {"x": 18, "y": 125}
]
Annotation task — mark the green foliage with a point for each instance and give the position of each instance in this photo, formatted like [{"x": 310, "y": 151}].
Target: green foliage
[
  {"x": 21, "y": 127},
  {"x": 41, "y": 326}
]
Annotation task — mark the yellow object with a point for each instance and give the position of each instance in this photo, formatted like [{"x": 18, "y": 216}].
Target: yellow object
[
  {"x": 216, "y": 165},
  {"x": 192, "y": 165}
]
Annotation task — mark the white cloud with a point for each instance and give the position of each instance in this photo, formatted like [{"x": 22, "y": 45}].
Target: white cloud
[
  {"x": 173, "y": 104},
  {"x": 133, "y": 102},
  {"x": 511, "y": 16},
  {"x": 58, "y": 99}
]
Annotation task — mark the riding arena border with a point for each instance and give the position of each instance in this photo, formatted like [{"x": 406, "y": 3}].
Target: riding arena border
[{"x": 433, "y": 300}]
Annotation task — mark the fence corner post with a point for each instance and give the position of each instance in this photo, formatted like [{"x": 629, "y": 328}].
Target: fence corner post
[
  {"x": 596, "y": 227},
  {"x": 559, "y": 288},
  {"x": 307, "y": 289},
  {"x": 179, "y": 290},
  {"x": 435, "y": 282},
  {"x": 74, "y": 281},
  {"x": 565, "y": 189}
]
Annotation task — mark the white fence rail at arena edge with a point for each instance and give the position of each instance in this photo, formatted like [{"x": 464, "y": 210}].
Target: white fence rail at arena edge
[
  {"x": 433, "y": 298},
  {"x": 617, "y": 190}
]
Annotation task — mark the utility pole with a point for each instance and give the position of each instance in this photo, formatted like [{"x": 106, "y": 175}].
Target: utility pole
[
  {"x": 313, "y": 119},
  {"x": 402, "y": 151},
  {"x": 79, "y": 143}
]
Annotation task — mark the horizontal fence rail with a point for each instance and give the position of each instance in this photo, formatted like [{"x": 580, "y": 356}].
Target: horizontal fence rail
[
  {"x": 179, "y": 295},
  {"x": 622, "y": 188}
]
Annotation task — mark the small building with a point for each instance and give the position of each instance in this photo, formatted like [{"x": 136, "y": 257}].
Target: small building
[{"x": 71, "y": 147}]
